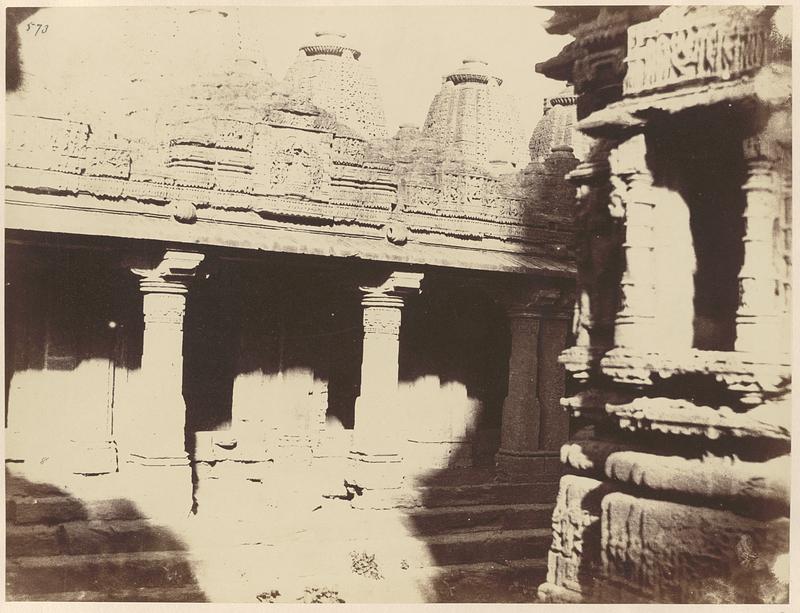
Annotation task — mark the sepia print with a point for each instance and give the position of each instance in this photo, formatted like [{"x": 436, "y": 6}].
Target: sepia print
[{"x": 268, "y": 342}]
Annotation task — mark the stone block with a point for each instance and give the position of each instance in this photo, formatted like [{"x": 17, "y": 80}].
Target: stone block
[{"x": 673, "y": 552}]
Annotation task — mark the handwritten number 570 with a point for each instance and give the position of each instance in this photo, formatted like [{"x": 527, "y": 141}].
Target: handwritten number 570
[{"x": 41, "y": 28}]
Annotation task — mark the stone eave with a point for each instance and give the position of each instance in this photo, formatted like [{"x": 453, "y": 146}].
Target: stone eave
[
  {"x": 559, "y": 68},
  {"x": 565, "y": 18},
  {"x": 633, "y": 111},
  {"x": 85, "y": 214}
]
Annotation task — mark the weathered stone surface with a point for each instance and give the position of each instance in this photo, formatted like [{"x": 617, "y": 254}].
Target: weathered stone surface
[
  {"x": 489, "y": 493},
  {"x": 643, "y": 552},
  {"x": 574, "y": 554},
  {"x": 709, "y": 476},
  {"x": 330, "y": 73}
]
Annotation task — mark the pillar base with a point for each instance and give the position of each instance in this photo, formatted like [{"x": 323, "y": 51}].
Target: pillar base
[
  {"x": 160, "y": 487},
  {"x": 377, "y": 500},
  {"x": 533, "y": 466},
  {"x": 377, "y": 479},
  {"x": 88, "y": 458},
  {"x": 438, "y": 455}
]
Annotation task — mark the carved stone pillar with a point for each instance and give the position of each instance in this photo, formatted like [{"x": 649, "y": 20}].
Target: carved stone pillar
[
  {"x": 158, "y": 450},
  {"x": 758, "y": 318},
  {"x": 598, "y": 265},
  {"x": 533, "y": 424},
  {"x": 376, "y": 450},
  {"x": 635, "y": 322}
]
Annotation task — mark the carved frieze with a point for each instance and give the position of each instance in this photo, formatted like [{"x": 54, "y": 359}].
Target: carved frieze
[
  {"x": 64, "y": 146},
  {"x": 714, "y": 551},
  {"x": 695, "y": 43},
  {"x": 284, "y": 173},
  {"x": 460, "y": 195}
]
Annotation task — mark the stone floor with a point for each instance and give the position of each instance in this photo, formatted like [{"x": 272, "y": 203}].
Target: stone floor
[{"x": 461, "y": 537}]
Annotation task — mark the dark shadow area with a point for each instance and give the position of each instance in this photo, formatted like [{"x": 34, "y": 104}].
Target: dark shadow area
[
  {"x": 458, "y": 334},
  {"x": 60, "y": 548},
  {"x": 14, "y": 69},
  {"x": 698, "y": 154}
]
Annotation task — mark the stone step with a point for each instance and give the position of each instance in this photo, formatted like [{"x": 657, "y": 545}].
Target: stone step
[
  {"x": 18, "y": 487},
  {"x": 479, "y": 494},
  {"x": 438, "y": 520},
  {"x": 515, "y": 581},
  {"x": 149, "y": 594},
  {"x": 93, "y": 536},
  {"x": 51, "y": 510},
  {"x": 107, "y": 573},
  {"x": 457, "y": 476},
  {"x": 488, "y": 546}
]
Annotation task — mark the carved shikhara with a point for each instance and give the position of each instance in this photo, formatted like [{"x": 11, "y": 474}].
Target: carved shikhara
[{"x": 688, "y": 447}]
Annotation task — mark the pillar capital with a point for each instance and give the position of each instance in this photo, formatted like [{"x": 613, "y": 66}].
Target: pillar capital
[
  {"x": 761, "y": 148},
  {"x": 172, "y": 273},
  {"x": 393, "y": 289},
  {"x": 628, "y": 158}
]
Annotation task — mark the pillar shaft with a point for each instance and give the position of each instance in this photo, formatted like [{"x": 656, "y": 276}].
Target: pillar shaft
[
  {"x": 758, "y": 318},
  {"x": 533, "y": 423},
  {"x": 522, "y": 408},
  {"x": 554, "y": 425},
  {"x": 158, "y": 454},
  {"x": 635, "y": 322}
]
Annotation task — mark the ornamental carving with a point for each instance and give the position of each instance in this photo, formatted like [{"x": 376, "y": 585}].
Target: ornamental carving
[
  {"x": 164, "y": 308},
  {"x": 382, "y": 320},
  {"x": 296, "y": 167},
  {"x": 462, "y": 195},
  {"x": 348, "y": 151},
  {"x": 690, "y": 44}
]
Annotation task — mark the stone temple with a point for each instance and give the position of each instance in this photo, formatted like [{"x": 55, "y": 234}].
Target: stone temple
[{"x": 260, "y": 350}]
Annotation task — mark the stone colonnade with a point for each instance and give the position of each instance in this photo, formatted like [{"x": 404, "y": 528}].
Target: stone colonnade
[{"x": 152, "y": 434}]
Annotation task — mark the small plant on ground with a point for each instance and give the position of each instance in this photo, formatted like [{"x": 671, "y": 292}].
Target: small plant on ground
[
  {"x": 268, "y": 596},
  {"x": 365, "y": 565},
  {"x": 320, "y": 595}
]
